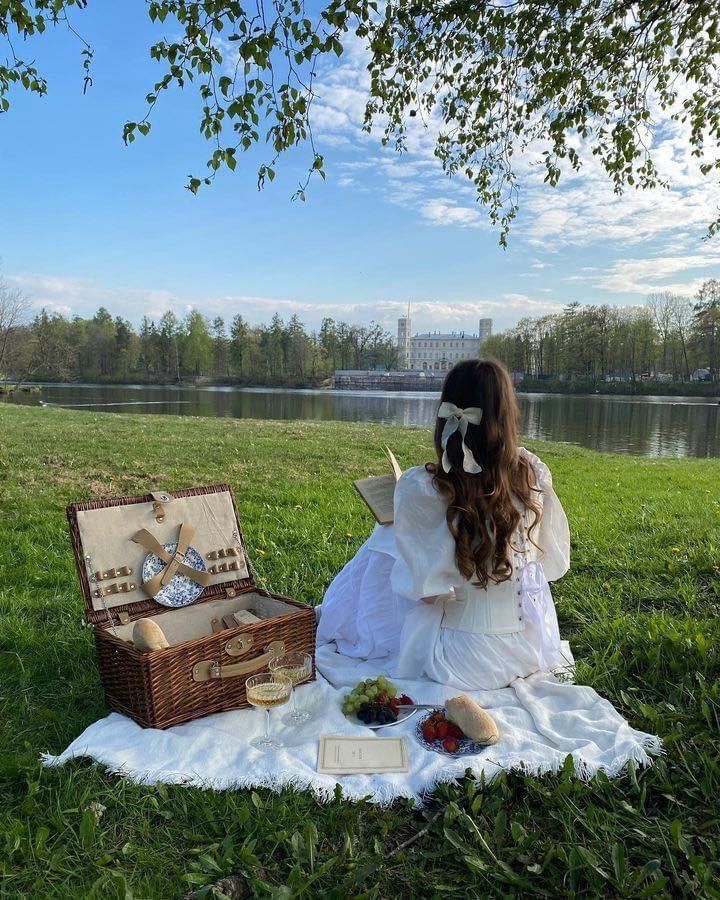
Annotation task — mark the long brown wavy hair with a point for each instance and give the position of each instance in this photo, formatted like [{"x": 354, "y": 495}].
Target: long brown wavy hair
[{"x": 482, "y": 509}]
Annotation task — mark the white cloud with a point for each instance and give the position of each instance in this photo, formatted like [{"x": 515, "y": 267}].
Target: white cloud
[
  {"x": 444, "y": 211},
  {"x": 83, "y": 296},
  {"x": 654, "y": 273},
  {"x": 582, "y": 211}
]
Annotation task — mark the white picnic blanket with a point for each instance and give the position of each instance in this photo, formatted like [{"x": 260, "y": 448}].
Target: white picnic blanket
[{"x": 541, "y": 720}]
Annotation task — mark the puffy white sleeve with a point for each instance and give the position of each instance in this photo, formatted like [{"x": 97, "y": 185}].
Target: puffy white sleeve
[
  {"x": 553, "y": 534},
  {"x": 425, "y": 550}
]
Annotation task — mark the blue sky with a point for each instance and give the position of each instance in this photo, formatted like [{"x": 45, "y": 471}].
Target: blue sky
[{"x": 86, "y": 221}]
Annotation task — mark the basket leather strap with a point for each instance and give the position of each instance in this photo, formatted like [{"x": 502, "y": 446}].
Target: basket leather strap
[
  {"x": 174, "y": 563},
  {"x": 211, "y": 670}
]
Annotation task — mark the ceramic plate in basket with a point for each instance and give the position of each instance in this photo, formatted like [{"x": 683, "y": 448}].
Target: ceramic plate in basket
[
  {"x": 182, "y": 591},
  {"x": 466, "y": 747}
]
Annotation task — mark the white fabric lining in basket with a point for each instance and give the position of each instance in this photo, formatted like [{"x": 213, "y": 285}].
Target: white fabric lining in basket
[{"x": 189, "y": 622}]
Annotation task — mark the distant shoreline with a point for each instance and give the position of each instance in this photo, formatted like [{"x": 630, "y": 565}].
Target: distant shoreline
[{"x": 710, "y": 390}]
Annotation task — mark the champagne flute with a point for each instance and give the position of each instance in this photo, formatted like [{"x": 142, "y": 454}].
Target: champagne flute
[
  {"x": 296, "y": 667},
  {"x": 265, "y": 691}
]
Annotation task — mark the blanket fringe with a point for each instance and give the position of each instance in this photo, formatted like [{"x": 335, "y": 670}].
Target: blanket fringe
[
  {"x": 545, "y": 755},
  {"x": 325, "y": 788}
]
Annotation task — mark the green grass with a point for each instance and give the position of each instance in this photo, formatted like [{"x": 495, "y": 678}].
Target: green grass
[{"x": 640, "y": 606}]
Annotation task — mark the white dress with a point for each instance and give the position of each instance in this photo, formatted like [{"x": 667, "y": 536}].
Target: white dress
[{"x": 477, "y": 638}]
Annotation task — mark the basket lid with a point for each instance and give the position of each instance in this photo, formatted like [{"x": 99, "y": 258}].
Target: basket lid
[{"x": 111, "y": 565}]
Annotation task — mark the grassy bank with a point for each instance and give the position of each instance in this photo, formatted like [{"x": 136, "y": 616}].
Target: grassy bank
[
  {"x": 638, "y": 388},
  {"x": 640, "y": 606}
]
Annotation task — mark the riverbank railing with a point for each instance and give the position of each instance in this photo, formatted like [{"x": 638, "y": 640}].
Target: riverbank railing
[{"x": 374, "y": 380}]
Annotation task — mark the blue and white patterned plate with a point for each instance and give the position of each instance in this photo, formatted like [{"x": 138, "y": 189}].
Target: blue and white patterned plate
[
  {"x": 466, "y": 747},
  {"x": 182, "y": 591}
]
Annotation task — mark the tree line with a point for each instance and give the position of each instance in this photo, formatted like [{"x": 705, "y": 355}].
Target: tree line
[
  {"x": 671, "y": 337},
  {"x": 106, "y": 348}
]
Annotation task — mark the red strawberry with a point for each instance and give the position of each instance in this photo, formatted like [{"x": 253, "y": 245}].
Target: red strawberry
[
  {"x": 394, "y": 704},
  {"x": 405, "y": 700},
  {"x": 442, "y": 730},
  {"x": 429, "y": 732},
  {"x": 450, "y": 744}
]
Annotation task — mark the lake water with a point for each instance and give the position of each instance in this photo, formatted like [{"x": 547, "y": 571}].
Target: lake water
[{"x": 650, "y": 426}]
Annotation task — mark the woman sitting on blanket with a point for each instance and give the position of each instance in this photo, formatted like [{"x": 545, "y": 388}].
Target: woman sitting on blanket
[{"x": 457, "y": 588}]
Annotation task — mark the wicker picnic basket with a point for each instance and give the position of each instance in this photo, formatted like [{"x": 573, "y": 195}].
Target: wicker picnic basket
[{"x": 204, "y": 669}]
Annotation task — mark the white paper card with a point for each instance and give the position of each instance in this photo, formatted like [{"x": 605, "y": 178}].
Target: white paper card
[{"x": 347, "y": 755}]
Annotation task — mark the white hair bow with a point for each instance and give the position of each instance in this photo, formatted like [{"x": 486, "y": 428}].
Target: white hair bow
[{"x": 458, "y": 419}]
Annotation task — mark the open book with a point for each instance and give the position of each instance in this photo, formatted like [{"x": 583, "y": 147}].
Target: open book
[{"x": 378, "y": 490}]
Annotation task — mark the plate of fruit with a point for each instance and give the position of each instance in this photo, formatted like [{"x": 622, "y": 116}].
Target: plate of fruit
[
  {"x": 375, "y": 703},
  {"x": 435, "y": 732}
]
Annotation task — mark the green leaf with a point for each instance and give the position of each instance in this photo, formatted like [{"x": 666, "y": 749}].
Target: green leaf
[
  {"x": 87, "y": 829},
  {"x": 618, "y": 861}
]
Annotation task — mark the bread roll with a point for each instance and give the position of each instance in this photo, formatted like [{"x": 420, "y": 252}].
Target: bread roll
[
  {"x": 148, "y": 635},
  {"x": 472, "y": 719}
]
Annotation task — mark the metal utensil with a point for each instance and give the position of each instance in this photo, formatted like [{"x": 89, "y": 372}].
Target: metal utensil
[
  {"x": 408, "y": 711},
  {"x": 419, "y": 705}
]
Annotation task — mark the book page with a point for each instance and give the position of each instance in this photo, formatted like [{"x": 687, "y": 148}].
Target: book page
[
  {"x": 345, "y": 755},
  {"x": 378, "y": 491},
  {"x": 397, "y": 471}
]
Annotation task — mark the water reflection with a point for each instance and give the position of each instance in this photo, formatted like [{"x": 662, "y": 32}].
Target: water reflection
[{"x": 651, "y": 426}]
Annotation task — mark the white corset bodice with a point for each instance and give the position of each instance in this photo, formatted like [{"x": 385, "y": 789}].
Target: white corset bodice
[{"x": 497, "y": 609}]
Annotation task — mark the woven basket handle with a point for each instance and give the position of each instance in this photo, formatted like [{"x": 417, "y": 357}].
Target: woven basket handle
[{"x": 210, "y": 670}]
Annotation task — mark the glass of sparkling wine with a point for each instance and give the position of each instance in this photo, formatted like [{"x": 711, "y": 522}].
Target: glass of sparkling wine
[
  {"x": 265, "y": 691},
  {"x": 296, "y": 667}
]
